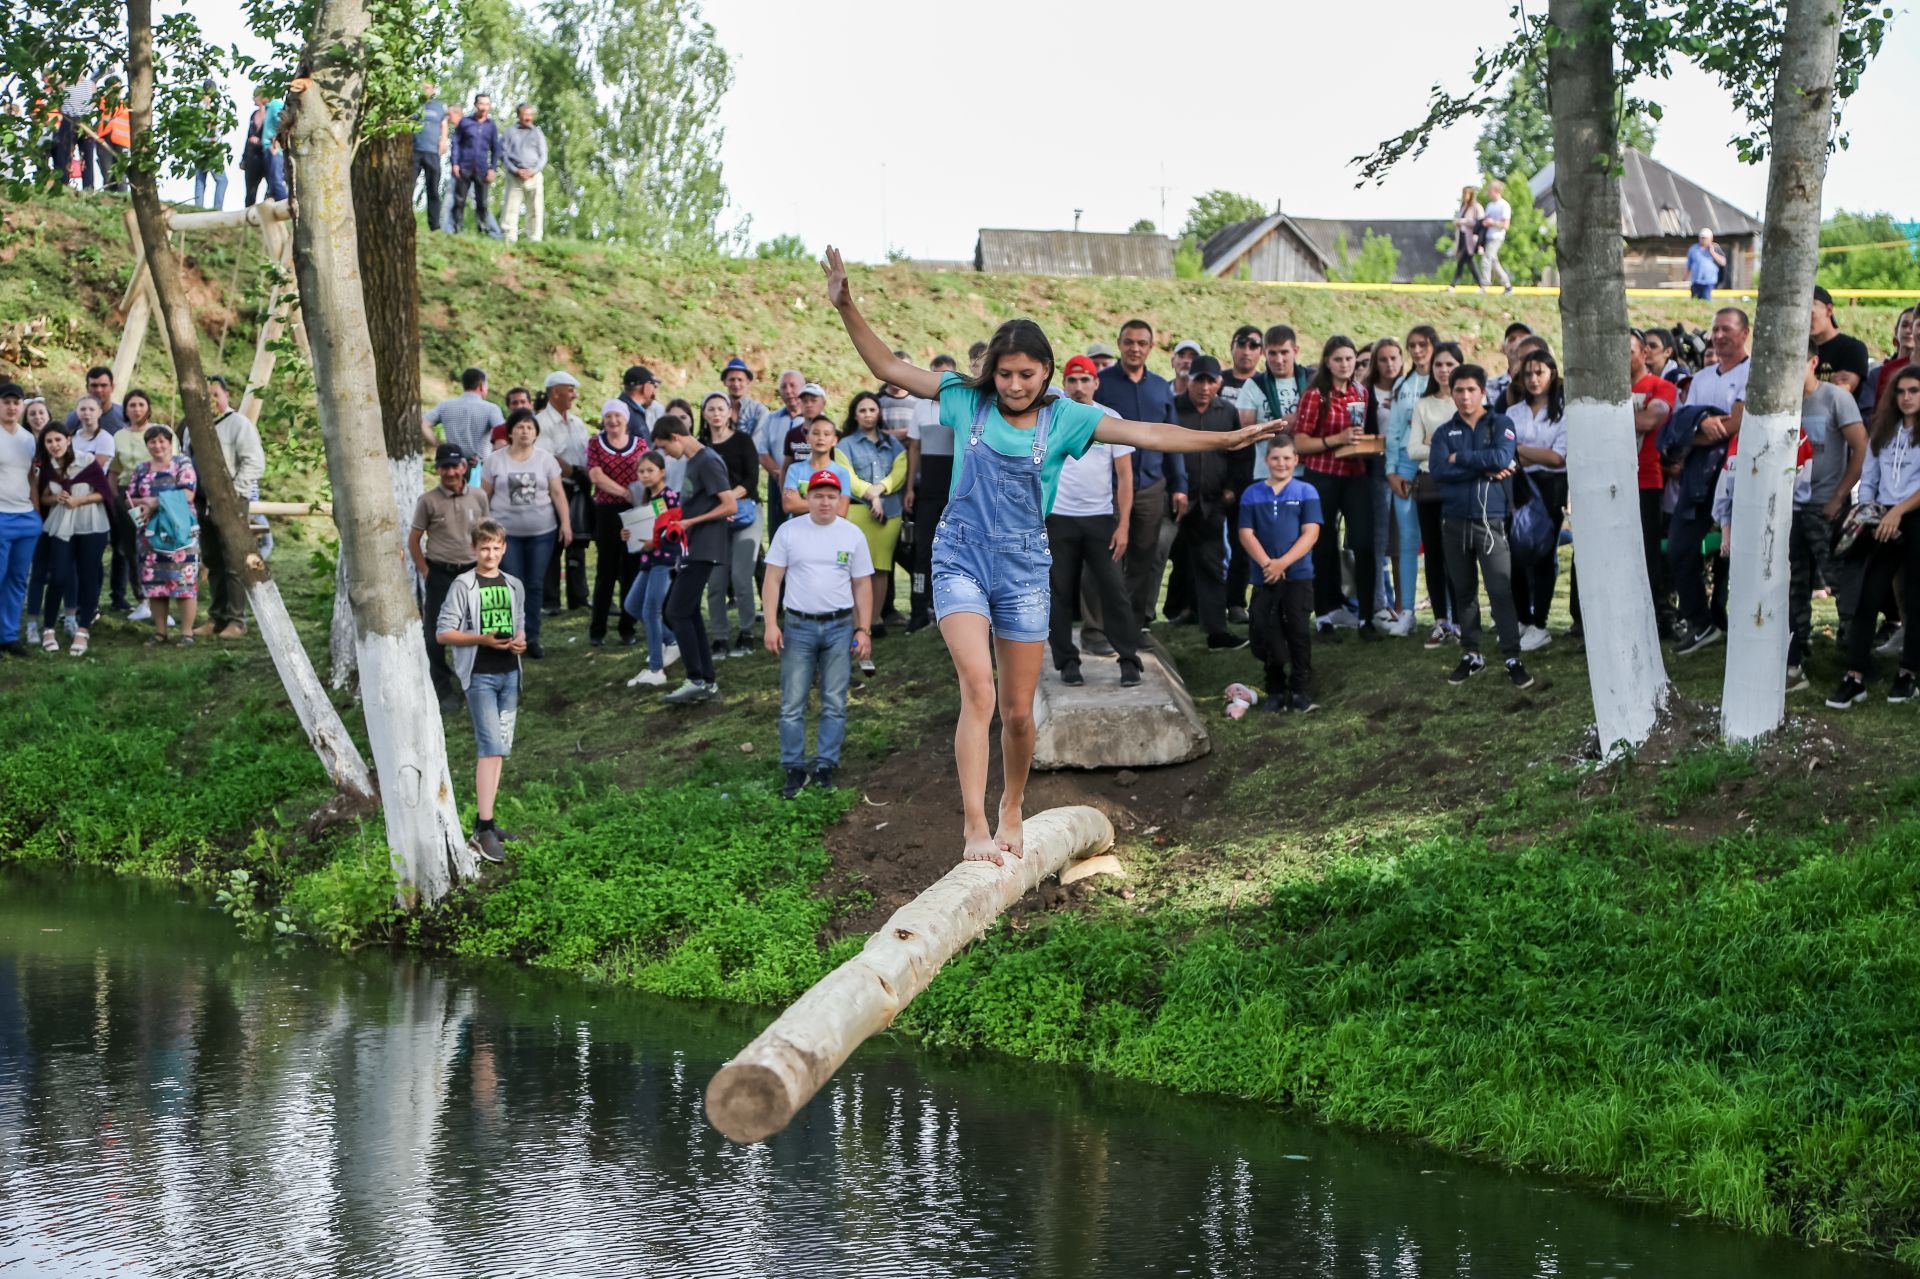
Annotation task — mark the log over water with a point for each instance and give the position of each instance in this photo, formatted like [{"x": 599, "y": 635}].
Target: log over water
[{"x": 758, "y": 1093}]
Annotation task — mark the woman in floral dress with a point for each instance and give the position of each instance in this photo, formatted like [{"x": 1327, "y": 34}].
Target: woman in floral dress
[{"x": 165, "y": 575}]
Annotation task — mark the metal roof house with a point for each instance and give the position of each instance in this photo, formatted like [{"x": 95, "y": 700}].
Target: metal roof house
[
  {"x": 1073, "y": 253},
  {"x": 1416, "y": 241},
  {"x": 1661, "y": 214}
]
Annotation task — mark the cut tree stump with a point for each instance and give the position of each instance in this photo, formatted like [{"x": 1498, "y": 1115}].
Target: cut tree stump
[
  {"x": 1100, "y": 724},
  {"x": 758, "y": 1093}
]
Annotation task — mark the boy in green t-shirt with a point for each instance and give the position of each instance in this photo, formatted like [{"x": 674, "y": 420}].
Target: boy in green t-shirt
[{"x": 484, "y": 624}]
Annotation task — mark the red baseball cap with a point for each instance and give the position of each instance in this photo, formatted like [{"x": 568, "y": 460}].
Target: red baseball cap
[
  {"x": 822, "y": 479},
  {"x": 1079, "y": 364}
]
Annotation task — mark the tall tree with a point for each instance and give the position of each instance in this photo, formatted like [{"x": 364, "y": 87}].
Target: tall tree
[
  {"x": 226, "y": 510},
  {"x": 403, "y": 722},
  {"x": 1215, "y": 210},
  {"x": 628, "y": 93},
  {"x": 1753, "y": 701},
  {"x": 1624, "y": 667}
]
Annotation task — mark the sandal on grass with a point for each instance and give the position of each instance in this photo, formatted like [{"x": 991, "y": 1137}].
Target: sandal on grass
[
  {"x": 50, "y": 640},
  {"x": 79, "y": 646},
  {"x": 155, "y": 640}
]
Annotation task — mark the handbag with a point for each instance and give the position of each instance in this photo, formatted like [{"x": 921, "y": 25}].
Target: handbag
[
  {"x": 1854, "y": 536},
  {"x": 1530, "y": 537},
  {"x": 748, "y": 511}
]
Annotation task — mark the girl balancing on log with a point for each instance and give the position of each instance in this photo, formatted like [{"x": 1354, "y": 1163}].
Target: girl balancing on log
[{"x": 991, "y": 565}]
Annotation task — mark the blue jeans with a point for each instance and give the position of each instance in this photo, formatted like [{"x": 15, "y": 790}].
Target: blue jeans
[
  {"x": 822, "y": 652},
  {"x": 526, "y": 559},
  {"x": 19, "y": 534},
  {"x": 219, "y": 177},
  {"x": 1406, "y": 550},
  {"x": 277, "y": 175},
  {"x": 493, "y": 704},
  {"x": 647, "y": 600},
  {"x": 73, "y": 577}
]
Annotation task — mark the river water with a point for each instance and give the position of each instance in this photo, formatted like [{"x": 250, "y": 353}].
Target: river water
[{"x": 175, "y": 1101}]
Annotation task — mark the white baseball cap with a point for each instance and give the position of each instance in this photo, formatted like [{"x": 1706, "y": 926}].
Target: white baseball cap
[{"x": 813, "y": 388}]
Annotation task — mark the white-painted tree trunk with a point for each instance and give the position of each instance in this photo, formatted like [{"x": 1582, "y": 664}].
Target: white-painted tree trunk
[
  {"x": 757, "y": 1093},
  {"x": 226, "y": 510},
  {"x": 1753, "y": 700},
  {"x": 402, "y": 714},
  {"x": 1624, "y": 666},
  {"x": 408, "y": 484},
  {"x": 343, "y": 667}
]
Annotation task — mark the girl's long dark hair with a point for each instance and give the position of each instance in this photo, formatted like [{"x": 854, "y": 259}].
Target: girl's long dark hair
[
  {"x": 1433, "y": 383},
  {"x": 850, "y": 426},
  {"x": 1015, "y": 337},
  {"x": 1556, "y": 389},
  {"x": 43, "y": 463},
  {"x": 1323, "y": 376},
  {"x": 1886, "y": 414}
]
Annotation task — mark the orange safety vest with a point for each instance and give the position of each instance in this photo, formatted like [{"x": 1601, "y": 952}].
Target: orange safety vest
[{"x": 117, "y": 126}]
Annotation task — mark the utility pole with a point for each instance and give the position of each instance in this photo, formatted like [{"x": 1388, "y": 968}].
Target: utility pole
[{"x": 1076, "y": 218}]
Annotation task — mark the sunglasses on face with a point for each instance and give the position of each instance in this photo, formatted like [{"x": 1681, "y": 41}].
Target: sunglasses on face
[{"x": 1248, "y": 342}]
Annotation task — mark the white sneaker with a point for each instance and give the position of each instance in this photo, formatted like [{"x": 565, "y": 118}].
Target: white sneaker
[
  {"x": 1894, "y": 641},
  {"x": 1344, "y": 618},
  {"x": 670, "y": 656},
  {"x": 1534, "y": 638},
  {"x": 1796, "y": 679},
  {"x": 1385, "y": 618},
  {"x": 1404, "y": 625},
  {"x": 141, "y": 613},
  {"x": 648, "y": 679}
]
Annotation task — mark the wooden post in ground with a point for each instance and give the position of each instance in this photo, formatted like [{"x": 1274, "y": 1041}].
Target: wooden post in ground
[
  {"x": 279, "y": 246},
  {"x": 758, "y": 1093}
]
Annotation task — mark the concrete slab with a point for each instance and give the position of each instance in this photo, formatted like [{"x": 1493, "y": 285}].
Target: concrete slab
[{"x": 1100, "y": 724}]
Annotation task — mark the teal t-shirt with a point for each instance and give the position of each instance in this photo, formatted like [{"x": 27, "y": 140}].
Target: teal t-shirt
[{"x": 1069, "y": 434}]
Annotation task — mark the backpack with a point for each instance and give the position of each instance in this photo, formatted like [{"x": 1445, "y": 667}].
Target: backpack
[
  {"x": 170, "y": 528},
  {"x": 1530, "y": 535}
]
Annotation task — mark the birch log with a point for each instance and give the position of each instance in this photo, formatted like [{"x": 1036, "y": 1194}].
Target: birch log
[{"x": 758, "y": 1093}]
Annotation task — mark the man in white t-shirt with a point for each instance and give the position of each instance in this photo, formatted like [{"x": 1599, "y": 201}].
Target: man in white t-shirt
[
  {"x": 820, "y": 571},
  {"x": 1496, "y": 219},
  {"x": 1700, "y": 584},
  {"x": 1087, "y": 533},
  {"x": 564, "y": 434}
]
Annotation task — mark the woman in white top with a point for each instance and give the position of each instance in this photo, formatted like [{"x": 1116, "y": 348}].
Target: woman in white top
[
  {"x": 1889, "y": 478},
  {"x": 1433, "y": 410},
  {"x": 1539, "y": 417}
]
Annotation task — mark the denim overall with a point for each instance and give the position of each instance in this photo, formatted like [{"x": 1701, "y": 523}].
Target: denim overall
[{"x": 990, "y": 553}]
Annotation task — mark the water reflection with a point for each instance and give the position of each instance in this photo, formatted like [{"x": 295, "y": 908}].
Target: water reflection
[{"x": 173, "y": 1102}]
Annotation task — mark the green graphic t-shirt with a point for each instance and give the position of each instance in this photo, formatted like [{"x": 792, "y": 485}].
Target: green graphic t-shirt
[{"x": 496, "y": 618}]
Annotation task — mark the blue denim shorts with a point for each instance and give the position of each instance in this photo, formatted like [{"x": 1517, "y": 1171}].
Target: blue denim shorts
[
  {"x": 1003, "y": 577},
  {"x": 493, "y": 704}
]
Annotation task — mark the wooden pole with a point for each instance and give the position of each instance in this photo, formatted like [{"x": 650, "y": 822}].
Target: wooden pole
[
  {"x": 279, "y": 244},
  {"x": 262, "y": 214},
  {"x": 758, "y": 1093},
  {"x": 138, "y": 305}
]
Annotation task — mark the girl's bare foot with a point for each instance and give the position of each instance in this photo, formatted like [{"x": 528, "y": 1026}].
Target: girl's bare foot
[
  {"x": 980, "y": 848},
  {"x": 1010, "y": 838}
]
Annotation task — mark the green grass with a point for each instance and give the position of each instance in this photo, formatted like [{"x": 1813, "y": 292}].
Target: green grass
[{"x": 1417, "y": 910}]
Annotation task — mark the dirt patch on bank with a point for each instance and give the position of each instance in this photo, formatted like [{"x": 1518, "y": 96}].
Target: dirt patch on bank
[{"x": 903, "y": 833}]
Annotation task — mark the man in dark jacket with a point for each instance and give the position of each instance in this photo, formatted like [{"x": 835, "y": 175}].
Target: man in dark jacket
[
  {"x": 1214, "y": 481},
  {"x": 476, "y": 162},
  {"x": 1472, "y": 460}
]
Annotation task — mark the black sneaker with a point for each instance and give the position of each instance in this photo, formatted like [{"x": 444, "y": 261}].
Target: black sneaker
[
  {"x": 1304, "y": 704},
  {"x": 488, "y": 844},
  {"x": 796, "y": 782},
  {"x": 596, "y": 641},
  {"x": 823, "y": 777},
  {"x": 1850, "y": 691},
  {"x": 1237, "y": 615},
  {"x": 535, "y": 651},
  {"x": 1129, "y": 674},
  {"x": 1326, "y": 633},
  {"x": 1704, "y": 637},
  {"x": 1183, "y": 618},
  {"x": 1369, "y": 633},
  {"x": 1225, "y": 642},
  {"x": 1277, "y": 704},
  {"x": 1471, "y": 664},
  {"x": 1903, "y": 688},
  {"x": 719, "y": 650},
  {"x": 1070, "y": 674},
  {"x": 1517, "y": 674},
  {"x": 17, "y": 649},
  {"x": 918, "y": 622}
]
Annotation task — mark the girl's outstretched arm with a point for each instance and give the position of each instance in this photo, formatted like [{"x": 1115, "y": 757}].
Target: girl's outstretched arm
[
  {"x": 1161, "y": 437},
  {"x": 878, "y": 355}
]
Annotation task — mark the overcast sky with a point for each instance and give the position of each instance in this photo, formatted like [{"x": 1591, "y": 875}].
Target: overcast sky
[{"x": 911, "y": 126}]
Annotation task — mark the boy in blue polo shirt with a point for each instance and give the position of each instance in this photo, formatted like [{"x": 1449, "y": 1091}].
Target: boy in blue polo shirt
[{"x": 1279, "y": 523}]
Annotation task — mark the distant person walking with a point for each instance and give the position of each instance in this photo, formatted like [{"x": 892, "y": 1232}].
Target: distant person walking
[
  {"x": 1498, "y": 220},
  {"x": 1704, "y": 263},
  {"x": 524, "y": 149},
  {"x": 1466, "y": 238},
  {"x": 429, "y": 144},
  {"x": 253, "y": 153},
  {"x": 217, "y": 174},
  {"x": 19, "y": 521},
  {"x": 476, "y": 163}
]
